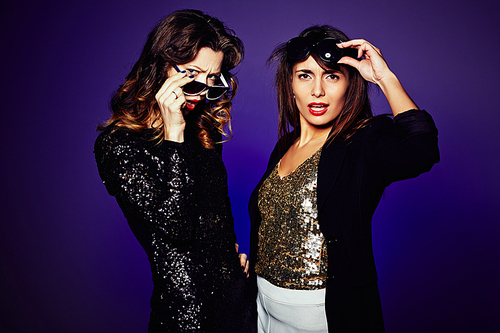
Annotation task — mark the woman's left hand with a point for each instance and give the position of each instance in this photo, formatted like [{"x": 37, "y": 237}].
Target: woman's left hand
[
  {"x": 245, "y": 265},
  {"x": 373, "y": 67}
]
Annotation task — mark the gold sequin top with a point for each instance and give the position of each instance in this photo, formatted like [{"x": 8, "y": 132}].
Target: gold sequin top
[{"x": 291, "y": 250}]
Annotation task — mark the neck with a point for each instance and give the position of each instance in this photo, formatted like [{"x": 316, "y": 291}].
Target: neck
[{"x": 310, "y": 134}]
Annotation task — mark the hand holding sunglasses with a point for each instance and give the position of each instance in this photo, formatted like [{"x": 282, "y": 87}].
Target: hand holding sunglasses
[
  {"x": 370, "y": 63},
  {"x": 171, "y": 102},
  {"x": 214, "y": 92}
]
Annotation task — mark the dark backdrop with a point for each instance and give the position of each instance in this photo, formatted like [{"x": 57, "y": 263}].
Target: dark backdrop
[{"x": 69, "y": 262}]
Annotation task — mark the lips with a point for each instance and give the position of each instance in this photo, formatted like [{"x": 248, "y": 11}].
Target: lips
[
  {"x": 317, "y": 109},
  {"x": 191, "y": 104}
]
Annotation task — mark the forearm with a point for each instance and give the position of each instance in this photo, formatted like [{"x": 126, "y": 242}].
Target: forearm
[{"x": 398, "y": 98}]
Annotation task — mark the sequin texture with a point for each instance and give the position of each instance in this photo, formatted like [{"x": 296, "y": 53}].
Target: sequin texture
[
  {"x": 291, "y": 250},
  {"x": 175, "y": 199}
]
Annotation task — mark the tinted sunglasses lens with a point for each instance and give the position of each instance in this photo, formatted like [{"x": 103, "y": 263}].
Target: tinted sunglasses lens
[
  {"x": 216, "y": 92},
  {"x": 328, "y": 50},
  {"x": 298, "y": 48},
  {"x": 194, "y": 88}
]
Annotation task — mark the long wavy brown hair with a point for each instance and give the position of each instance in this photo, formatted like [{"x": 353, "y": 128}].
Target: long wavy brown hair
[
  {"x": 177, "y": 39},
  {"x": 357, "y": 107}
]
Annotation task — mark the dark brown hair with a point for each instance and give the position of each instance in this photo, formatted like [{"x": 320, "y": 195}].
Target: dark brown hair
[
  {"x": 357, "y": 107},
  {"x": 177, "y": 39}
]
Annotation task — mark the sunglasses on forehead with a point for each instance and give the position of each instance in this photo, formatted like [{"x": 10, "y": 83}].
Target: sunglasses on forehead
[
  {"x": 299, "y": 48},
  {"x": 214, "y": 92}
]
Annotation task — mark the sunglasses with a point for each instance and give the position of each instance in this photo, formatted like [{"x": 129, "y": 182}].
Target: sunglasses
[
  {"x": 299, "y": 48},
  {"x": 214, "y": 92}
]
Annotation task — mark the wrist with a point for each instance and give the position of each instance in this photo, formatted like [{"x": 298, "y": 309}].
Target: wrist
[
  {"x": 389, "y": 81},
  {"x": 175, "y": 134}
]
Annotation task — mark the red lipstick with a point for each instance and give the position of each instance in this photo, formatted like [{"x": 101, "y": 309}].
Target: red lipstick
[
  {"x": 190, "y": 105},
  {"x": 317, "y": 109}
]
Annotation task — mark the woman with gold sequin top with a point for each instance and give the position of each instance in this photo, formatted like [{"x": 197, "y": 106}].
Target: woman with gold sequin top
[
  {"x": 160, "y": 155},
  {"x": 311, "y": 246}
]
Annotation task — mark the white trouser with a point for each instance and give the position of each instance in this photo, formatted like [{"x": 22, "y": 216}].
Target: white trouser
[{"x": 282, "y": 310}]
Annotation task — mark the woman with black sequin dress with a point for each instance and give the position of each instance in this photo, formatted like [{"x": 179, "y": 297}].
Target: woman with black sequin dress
[
  {"x": 160, "y": 155},
  {"x": 311, "y": 213}
]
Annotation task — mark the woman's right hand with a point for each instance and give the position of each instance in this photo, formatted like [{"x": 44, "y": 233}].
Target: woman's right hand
[{"x": 171, "y": 101}]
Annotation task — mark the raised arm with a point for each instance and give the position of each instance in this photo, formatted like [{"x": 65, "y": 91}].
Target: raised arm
[
  {"x": 372, "y": 66},
  {"x": 171, "y": 100}
]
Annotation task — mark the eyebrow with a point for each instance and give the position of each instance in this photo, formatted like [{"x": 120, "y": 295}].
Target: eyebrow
[
  {"x": 199, "y": 69},
  {"x": 308, "y": 71}
]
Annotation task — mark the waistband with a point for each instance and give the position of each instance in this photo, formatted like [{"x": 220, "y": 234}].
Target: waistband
[{"x": 291, "y": 296}]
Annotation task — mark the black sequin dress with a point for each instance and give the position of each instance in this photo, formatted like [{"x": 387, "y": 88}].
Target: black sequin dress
[{"x": 175, "y": 199}]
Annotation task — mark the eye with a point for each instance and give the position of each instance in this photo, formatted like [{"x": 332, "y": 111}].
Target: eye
[
  {"x": 304, "y": 76},
  {"x": 332, "y": 77},
  {"x": 213, "y": 79},
  {"x": 192, "y": 71}
]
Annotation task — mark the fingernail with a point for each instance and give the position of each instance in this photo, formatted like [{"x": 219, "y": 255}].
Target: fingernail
[
  {"x": 183, "y": 72},
  {"x": 191, "y": 76}
]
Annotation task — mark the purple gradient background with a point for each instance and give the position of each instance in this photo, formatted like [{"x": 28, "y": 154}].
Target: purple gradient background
[{"x": 69, "y": 262}]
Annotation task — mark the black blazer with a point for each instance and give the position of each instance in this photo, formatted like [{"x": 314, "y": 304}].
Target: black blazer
[{"x": 352, "y": 176}]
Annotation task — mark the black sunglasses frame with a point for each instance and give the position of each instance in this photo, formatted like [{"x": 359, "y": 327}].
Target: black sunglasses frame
[
  {"x": 299, "y": 48},
  {"x": 194, "y": 88}
]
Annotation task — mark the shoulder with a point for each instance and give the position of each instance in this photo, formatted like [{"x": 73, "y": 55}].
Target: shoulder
[
  {"x": 373, "y": 131},
  {"x": 111, "y": 137},
  {"x": 374, "y": 126},
  {"x": 281, "y": 147},
  {"x": 379, "y": 122},
  {"x": 285, "y": 142},
  {"x": 119, "y": 142}
]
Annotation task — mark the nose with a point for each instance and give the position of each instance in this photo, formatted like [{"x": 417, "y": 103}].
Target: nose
[
  {"x": 317, "y": 88},
  {"x": 202, "y": 77}
]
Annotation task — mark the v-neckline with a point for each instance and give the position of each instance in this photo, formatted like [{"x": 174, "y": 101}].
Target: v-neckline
[{"x": 297, "y": 167}]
